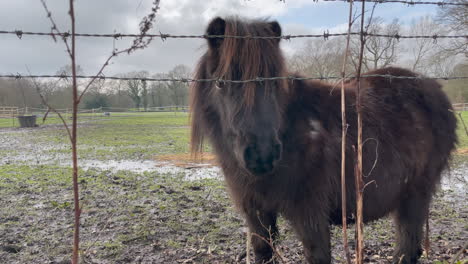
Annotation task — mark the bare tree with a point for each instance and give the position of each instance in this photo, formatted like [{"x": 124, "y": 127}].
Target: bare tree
[
  {"x": 318, "y": 58},
  {"x": 441, "y": 64},
  {"x": 421, "y": 49},
  {"x": 456, "y": 89},
  {"x": 21, "y": 93},
  {"x": 158, "y": 90},
  {"x": 378, "y": 52},
  {"x": 138, "y": 43},
  {"x": 116, "y": 91},
  {"x": 137, "y": 89},
  {"x": 144, "y": 94},
  {"x": 134, "y": 92},
  {"x": 66, "y": 83},
  {"x": 179, "y": 90},
  {"x": 456, "y": 17}
]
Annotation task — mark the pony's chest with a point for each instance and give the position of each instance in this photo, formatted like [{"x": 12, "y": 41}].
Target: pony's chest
[{"x": 284, "y": 187}]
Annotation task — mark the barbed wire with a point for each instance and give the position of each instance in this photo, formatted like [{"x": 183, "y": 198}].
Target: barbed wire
[
  {"x": 402, "y": 2},
  {"x": 162, "y": 36},
  {"x": 258, "y": 79}
]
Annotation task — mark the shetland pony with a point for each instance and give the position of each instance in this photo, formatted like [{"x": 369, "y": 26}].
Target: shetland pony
[{"x": 279, "y": 141}]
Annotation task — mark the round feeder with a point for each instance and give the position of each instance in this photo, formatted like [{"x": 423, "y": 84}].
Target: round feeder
[{"x": 27, "y": 121}]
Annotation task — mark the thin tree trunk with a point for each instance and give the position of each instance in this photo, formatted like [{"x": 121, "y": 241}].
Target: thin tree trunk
[
  {"x": 344, "y": 128},
  {"x": 358, "y": 165},
  {"x": 76, "y": 234}
]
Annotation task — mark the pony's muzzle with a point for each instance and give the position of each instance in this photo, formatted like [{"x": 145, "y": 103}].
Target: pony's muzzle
[{"x": 261, "y": 159}]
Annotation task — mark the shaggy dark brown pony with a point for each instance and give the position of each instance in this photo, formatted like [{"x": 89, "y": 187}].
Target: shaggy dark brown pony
[{"x": 279, "y": 142}]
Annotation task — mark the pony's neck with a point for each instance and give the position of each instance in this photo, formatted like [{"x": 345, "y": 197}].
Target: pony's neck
[{"x": 313, "y": 99}]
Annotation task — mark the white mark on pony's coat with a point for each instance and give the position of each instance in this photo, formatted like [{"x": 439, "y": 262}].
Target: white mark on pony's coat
[{"x": 315, "y": 128}]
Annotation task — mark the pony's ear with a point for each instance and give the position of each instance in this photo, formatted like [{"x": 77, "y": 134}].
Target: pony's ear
[
  {"x": 216, "y": 27},
  {"x": 276, "y": 28}
]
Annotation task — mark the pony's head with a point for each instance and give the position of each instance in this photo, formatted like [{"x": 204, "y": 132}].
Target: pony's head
[{"x": 249, "y": 111}]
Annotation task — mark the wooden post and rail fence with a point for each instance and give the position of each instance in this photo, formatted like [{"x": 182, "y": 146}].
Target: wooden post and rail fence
[
  {"x": 27, "y": 115},
  {"x": 9, "y": 112},
  {"x": 460, "y": 107}
]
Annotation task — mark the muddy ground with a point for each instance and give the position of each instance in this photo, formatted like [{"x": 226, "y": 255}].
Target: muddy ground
[{"x": 140, "y": 210}]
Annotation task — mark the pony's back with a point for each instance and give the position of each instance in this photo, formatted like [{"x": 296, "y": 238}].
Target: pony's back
[{"x": 423, "y": 106}]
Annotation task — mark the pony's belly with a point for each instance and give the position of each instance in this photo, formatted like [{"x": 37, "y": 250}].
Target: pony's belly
[
  {"x": 378, "y": 203},
  {"x": 369, "y": 216}
]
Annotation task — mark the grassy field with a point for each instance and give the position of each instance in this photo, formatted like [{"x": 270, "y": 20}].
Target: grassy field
[
  {"x": 158, "y": 215},
  {"x": 461, "y": 132},
  {"x": 120, "y": 136},
  {"x": 157, "y": 120},
  {"x": 143, "y": 128},
  {"x": 98, "y": 117}
]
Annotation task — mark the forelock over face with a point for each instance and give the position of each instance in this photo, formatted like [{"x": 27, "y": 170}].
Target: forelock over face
[
  {"x": 247, "y": 55},
  {"x": 240, "y": 56},
  {"x": 234, "y": 26}
]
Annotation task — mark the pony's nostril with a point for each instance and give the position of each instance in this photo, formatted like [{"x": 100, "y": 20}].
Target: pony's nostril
[
  {"x": 259, "y": 162},
  {"x": 277, "y": 152},
  {"x": 249, "y": 154},
  {"x": 251, "y": 157}
]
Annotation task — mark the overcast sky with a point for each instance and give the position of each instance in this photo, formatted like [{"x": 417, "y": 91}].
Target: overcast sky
[{"x": 43, "y": 56}]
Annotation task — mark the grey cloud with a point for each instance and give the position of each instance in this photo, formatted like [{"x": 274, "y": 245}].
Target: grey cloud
[{"x": 42, "y": 55}]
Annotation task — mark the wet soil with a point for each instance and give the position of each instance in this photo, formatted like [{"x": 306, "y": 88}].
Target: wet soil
[{"x": 144, "y": 211}]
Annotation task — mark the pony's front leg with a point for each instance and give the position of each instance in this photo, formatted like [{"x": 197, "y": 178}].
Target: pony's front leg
[
  {"x": 263, "y": 229},
  {"x": 315, "y": 238}
]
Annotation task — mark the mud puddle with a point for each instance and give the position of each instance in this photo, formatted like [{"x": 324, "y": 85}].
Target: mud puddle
[{"x": 191, "y": 171}]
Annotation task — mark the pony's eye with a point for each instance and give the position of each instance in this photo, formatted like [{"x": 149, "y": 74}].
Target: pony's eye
[{"x": 219, "y": 85}]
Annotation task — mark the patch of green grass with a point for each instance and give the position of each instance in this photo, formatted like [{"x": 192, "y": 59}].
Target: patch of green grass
[
  {"x": 13, "y": 122},
  {"x": 120, "y": 136},
  {"x": 18, "y": 177},
  {"x": 446, "y": 262},
  {"x": 8, "y": 122},
  {"x": 462, "y": 134},
  {"x": 137, "y": 118},
  {"x": 136, "y": 136},
  {"x": 159, "y": 119},
  {"x": 59, "y": 205}
]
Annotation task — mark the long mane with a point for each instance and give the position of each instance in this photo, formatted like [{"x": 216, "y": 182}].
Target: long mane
[
  {"x": 248, "y": 58},
  {"x": 236, "y": 59}
]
